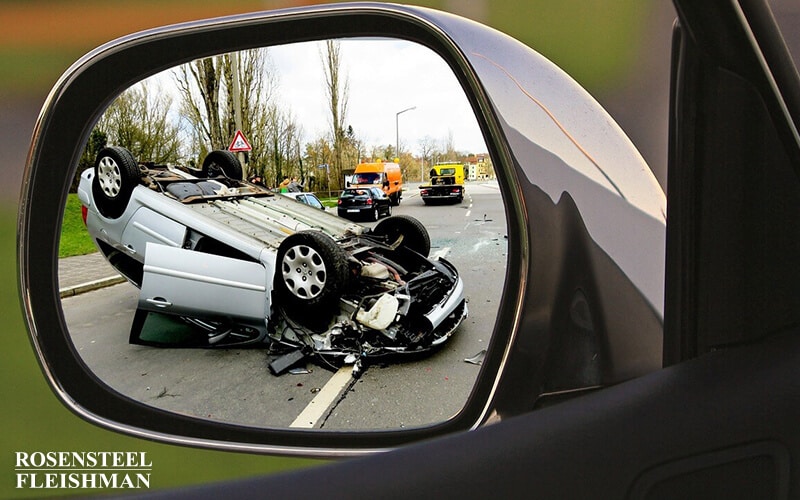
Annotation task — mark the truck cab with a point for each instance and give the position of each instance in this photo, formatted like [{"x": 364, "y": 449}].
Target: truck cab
[{"x": 386, "y": 175}]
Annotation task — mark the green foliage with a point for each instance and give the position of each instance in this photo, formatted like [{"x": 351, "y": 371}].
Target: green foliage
[
  {"x": 97, "y": 141},
  {"x": 75, "y": 239},
  {"x": 139, "y": 120},
  {"x": 328, "y": 202}
]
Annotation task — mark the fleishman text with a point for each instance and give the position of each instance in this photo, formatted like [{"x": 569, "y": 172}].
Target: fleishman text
[{"x": 85, "y": 470}]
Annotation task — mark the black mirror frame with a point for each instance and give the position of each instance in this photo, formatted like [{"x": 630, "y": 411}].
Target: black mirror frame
[{"x": 74, "y": 106}]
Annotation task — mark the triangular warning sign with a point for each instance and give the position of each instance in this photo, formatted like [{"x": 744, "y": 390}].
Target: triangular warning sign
[{"x": 239, "y": 143}]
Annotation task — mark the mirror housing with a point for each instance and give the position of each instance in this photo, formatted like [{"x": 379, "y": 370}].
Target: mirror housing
[{"x": 582, "y": 305}]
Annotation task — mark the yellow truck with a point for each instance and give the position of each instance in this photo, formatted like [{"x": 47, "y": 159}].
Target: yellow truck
[
  {"x": 447, "y": 184},
  {"x": 384, "y": 174}
]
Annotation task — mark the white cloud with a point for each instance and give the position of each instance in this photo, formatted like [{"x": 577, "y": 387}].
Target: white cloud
[{"x": 385, "y": 76}]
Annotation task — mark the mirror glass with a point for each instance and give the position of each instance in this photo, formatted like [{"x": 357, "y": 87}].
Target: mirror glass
[{"x": 301, "y": 236}]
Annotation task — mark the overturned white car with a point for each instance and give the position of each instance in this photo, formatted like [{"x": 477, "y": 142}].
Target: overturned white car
[{"x": 237, "y": 264}]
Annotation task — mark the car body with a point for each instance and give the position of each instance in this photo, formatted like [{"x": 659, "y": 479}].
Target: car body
[
  {"x": 714, "y": 416},
  {"x": 241, "y": 263},
  {"x": 306, "y": 198},
  {"x": 365, "y": 202},
  {"x": 580, "y": 302}
]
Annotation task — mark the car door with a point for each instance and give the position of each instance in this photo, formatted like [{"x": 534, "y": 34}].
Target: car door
[
  {"x": 200, "y": 285},
  {"x": 380, "y": 200}
]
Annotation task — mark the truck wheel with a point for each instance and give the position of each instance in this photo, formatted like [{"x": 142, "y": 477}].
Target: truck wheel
[
  {"x": 221, "y": 162},
  {"x": 413, "y": 233},
  {"x": 311, "y": 272},
  {"x": 116, "y": 173}
]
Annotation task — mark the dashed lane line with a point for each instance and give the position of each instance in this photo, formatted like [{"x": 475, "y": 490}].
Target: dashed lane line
[{"x": 322, "y": 402}]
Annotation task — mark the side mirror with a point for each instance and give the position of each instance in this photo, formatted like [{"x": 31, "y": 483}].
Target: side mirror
[{"x": 562, "y": 269}]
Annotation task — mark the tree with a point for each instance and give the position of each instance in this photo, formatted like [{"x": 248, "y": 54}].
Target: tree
[
  {"x": 318, "y": 157},
  {"x": 202, "y": 76},
  {"x": 336, "y": 90},
  {"x": 140, "y": 121},
  {"x": 209, "y": 104},
  {"x": 97, "y": 141},
  {"x": 449, "y": 152},
  {"x": 409, "y": 165},
  {"x": 282, "y": 154},
  {"x": 428, "y": 150}
]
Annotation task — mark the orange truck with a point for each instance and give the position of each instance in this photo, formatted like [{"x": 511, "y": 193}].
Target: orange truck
[{"x": 385, "y": 174}]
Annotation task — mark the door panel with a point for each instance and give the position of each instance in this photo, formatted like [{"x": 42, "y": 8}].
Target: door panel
[{"x": 201, "y": 285}]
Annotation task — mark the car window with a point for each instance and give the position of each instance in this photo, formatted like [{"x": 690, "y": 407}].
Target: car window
[{"x": 313, "y": 201}]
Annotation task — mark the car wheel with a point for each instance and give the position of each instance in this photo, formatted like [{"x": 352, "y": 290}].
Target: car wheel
[
  {"x": 389, "y": 210},
  {"x": 406, "y": 231},
  {"x": 116, "y": 173},
  {"x": 220, "y": 162},
  {"x": 376, "y": 213},
  {"x": 312, "y": 272}
]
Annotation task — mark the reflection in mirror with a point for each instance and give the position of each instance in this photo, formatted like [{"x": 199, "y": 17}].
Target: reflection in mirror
[{"x": 220, "y": 287}]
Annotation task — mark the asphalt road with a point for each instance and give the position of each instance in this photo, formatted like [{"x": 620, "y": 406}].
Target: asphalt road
[{"x": 235, "y": 385}]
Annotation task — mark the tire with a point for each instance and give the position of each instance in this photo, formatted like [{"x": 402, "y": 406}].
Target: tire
[
  {"x": 116, "y": 173},
  {"x": 389, "y": 210},
  {"x": 414, "y": 235},
  {"x": 311, "y": 273},
  {"x": 376, "y": 214},
  {"x": 221, "y": 162}
]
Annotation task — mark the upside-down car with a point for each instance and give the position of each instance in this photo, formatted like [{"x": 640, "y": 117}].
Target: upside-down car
[{"x": 244, "y": 265}]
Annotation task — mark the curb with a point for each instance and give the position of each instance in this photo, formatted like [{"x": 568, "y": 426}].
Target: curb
[{"x": 90, "y": 286}]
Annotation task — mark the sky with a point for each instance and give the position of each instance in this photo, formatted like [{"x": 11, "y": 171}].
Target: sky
[{"x": 385, "y": 76}]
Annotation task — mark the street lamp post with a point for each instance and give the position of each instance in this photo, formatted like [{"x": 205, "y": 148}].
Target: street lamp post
[{"x": 397, "y": 129}]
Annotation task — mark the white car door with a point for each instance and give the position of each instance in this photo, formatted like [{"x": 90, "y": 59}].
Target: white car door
[{"x": 204, "y": 286}]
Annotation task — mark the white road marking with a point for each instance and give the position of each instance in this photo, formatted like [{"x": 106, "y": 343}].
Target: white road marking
[
  {"x": 468, "y": 212},
  {"x": 318, "y": 406}
]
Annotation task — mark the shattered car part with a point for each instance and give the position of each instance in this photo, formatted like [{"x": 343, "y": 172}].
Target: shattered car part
[{"x": 476, "y": 359}]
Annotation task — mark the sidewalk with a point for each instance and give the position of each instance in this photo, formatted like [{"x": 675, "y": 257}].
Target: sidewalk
[{"x": 85, "y": 273}]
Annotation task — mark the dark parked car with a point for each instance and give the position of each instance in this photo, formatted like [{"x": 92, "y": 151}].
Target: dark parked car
[{"x": 364, "y": 203}]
